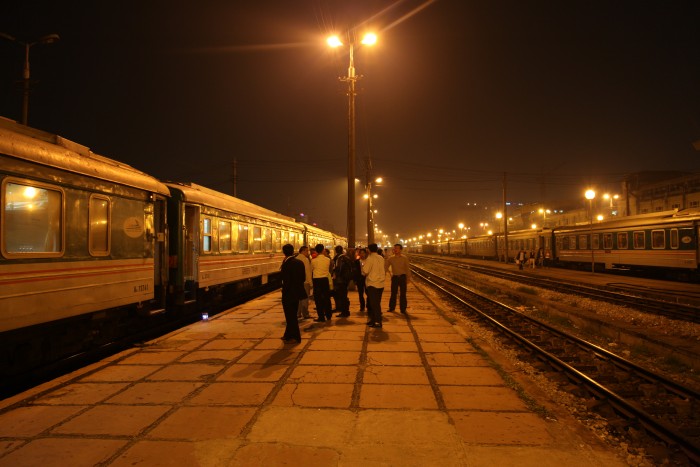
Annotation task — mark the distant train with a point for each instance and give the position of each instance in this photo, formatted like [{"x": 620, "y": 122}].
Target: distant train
[
  {"x": 91, "y": 248},
  {"x": 664, "y": 243}
]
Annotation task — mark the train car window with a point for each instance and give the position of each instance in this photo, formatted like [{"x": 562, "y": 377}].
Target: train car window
[
  {"x": 622, "y": 241},
  {"x": 267, "y": 240},
  {"x": 32, "y": 220},
  {"x": 224, "y": 236},
  {"x": 206, "y": 235},
  {"x": 658, "y": 239},
  {"x": 638, "y": 239},
  {"x": 608, "y": 241},
  {"x": 293, "y": 240},
  {"x": 285, "y": 237},
  {"x": 257, "y": 238},
  {"x": 99, "y": 225},
  {"x": 595, "y": 242},
  {"x": 673, "y": 240},
  {"x": 278, "y": 241},
  {"x": 243, "y": 244},
  {"x": 583, "y": 242}
]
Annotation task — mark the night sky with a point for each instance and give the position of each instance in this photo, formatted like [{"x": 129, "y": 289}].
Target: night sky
[{"x": 561, "y": 95}]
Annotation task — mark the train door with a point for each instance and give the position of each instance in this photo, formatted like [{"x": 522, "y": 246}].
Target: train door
[
  {"x": 160, "y": 253},
  {"x": 191, "y": 251}
]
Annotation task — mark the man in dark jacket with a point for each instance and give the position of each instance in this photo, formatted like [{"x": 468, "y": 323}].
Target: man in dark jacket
[
  {"x": 293, "y": 277},
  {"x": 342, "y": 275}
]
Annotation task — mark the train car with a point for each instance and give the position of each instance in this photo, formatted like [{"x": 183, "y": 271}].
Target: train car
[
  {"x": 482, "y": 247},
  {"x": 665, "y": 241},
  {"x": 529, "y": 240},
  {"x": 225, "y": 245},
  {"x": 314, "y": 236},
  {"x": 82, "y": 246}
]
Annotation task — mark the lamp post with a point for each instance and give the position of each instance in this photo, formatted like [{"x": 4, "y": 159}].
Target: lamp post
[
  {"x": 351, "y": 79},
  {"x": 590, "y": 195},
  {"x": 48, "y": 39}
]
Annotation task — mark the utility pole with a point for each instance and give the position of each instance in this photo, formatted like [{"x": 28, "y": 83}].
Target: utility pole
[
  {"x": 505, "y": 220},
  {"x": 235, "y": 177}
]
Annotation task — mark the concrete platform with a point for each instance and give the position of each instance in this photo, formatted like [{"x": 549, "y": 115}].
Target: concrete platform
[{"x": 229, "y": 392}]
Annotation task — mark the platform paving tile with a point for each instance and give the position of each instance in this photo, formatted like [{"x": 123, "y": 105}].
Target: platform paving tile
[
  {"x": 461, "y": 359},
  {"x": 253, "y": 372},
  {"x": 62, "y": 452},
  {"x": 467, "y": 376},
  {"x": 334, "y": 345},
  {"x": 228, "y": 344},
  {"x": 377, "y": 374},
  {"x": 516, "y": 428},
  {"x": 397, "y": 396},
  {"x": 152, "y": 357},
  {"x": 394, "y": 358},
  {"x": 324, "y": 357},
  {"x": 165, "y": 392},
  {"x": 234, "y": 393},
  {"x": 160, "y": 453},
  {"x": 323, "y": 374},
  {"x": 186, "y": 372},
  {"x": 228, "y": 392},
  {"x": 32, "y": 420},
  {"x": 492, "y": 398},
  {"x": 202, "y": 423},
  {"x": 80, "y": 393},
  {"x": 336, "y": 395},
  {"x": 113, "y": 420},
  {"x": 116, "y": 373}
]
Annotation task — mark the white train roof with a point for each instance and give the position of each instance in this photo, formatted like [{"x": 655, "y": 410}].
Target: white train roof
[
  {"x": 198, "y": 194},
  {"x": 51, "y": 150}
]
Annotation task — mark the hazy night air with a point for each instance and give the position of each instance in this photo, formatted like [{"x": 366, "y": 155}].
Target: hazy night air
[{"x": 560, "y": 95}]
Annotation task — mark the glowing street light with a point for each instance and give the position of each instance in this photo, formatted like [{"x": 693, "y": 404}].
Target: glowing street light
[
  {"x": 351, "y": 79},
  {"x": 590, "y": 195}
]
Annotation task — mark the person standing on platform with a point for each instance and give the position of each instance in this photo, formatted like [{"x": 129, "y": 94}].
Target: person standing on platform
[
  {"x": 373, "y": 270},
  {"x": 400, "y": 274},
  {"x": 320, "y": 271},
  {"x": 293, "y": 277},
  {"x": 342, "y": 275},
  {"x": 359, "y": 278},
  {"x": 303, "y": 256}
]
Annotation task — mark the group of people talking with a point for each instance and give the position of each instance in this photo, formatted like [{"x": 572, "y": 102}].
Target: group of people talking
[{"x": 314, "y": 274}]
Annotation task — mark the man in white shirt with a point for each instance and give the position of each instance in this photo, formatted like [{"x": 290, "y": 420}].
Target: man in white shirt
[
  {"x": 320, "y": 271},
  {"x": 373, "y": 270}
]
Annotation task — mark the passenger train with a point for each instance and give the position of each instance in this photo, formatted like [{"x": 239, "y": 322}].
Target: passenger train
[
  {"x": 663, "y": 243},
  {"x": 91, "y": 248}
]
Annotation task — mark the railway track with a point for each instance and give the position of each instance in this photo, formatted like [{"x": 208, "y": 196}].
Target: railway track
[
  {"x": 634, "y": 400},
  {"x": 613, "y": 293}
]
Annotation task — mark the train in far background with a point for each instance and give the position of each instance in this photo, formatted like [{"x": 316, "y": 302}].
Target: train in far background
[{"x": 663, "y": 244}]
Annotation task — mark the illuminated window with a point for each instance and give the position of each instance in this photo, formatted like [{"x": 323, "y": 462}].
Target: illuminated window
[
  {"x": 257, "y": 238},
  {"x": 622, "y": 241},
  {"x": 267, "y": 240},
  {"x": 583, "y": 242},
  {"x": 608, "y": 241},
  {"x": 658, "y": 239},
  {"x": 278, "y": 240},
  {"x": 638, "y": 239},
  {"x": 224, "y": 236},
  {"x": 206, "y": 235},
  {"x": 595, "y": 241},
  {"x": 99, "y": 225},
  {"x": 673, "y": 240},
  {"x": 32, "y": 220},
  {"x": 293, "y": 240},
  {"x": 243, "y": 238}
]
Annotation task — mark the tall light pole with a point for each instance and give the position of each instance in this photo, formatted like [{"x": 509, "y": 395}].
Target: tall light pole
[
  {"x": 590, "y": 195},
  {"x": 351, "y": 78},
  {"x": 48, "y": 39}
]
